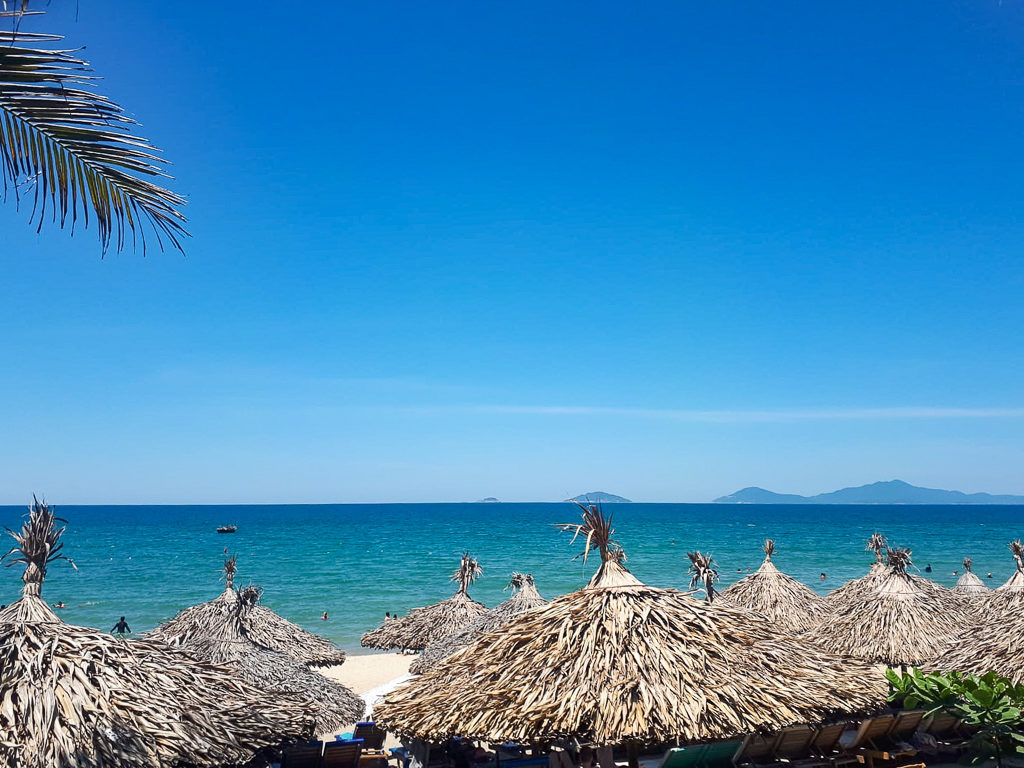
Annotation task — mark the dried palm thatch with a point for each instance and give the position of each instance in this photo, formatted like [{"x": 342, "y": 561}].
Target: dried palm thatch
[
  {"x": 788, "y": 604},
  {"x": 524, "y": 597},
  {"x": 996, "y": 644},
  {"x": 969, "y": 583},
  {"x": 619, "y": 661},
  {"x": 262, "y": 625},
  {"x": 433, "y": 622},
  {"x": 703, "y": 574},
  {"x": 72, "y": 696},
  {"x": 224, "y": 638},
  {"x": 1016, "y": 582},
  {"x": 901, "y": 620}
]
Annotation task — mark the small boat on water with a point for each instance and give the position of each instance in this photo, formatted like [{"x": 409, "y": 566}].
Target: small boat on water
[{"x": 227, "y": 529}]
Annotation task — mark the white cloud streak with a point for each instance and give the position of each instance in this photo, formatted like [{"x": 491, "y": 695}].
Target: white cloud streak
[{"x": 753, "y": 416}]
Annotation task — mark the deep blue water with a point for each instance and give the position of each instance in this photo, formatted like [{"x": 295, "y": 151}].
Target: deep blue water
[{"x": 358, "y": 561}]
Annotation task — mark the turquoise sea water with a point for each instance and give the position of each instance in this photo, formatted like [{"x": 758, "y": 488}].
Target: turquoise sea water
[{"x": 358, "y": 561}]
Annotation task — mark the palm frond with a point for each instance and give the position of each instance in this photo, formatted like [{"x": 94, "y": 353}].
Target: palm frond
[
  {"x": 38, "y": 544},
  {"x": 703, "y": 574},
  {"x": 467, "y": 572},
  {"x": 230, "y": 569},
  {"x": 72, "y": 150},
  {"x": 876, "y": 544},
  {"x": 597, "y": 531}
]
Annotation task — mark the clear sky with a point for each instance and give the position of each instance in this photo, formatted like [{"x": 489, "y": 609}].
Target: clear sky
[{"x": 444, "y": 251}]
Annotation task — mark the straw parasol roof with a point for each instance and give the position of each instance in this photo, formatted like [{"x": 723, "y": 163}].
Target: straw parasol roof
[
  {"x": 996, "y": 644},
  {"x": 262, "y": 626},
  {"x": 223, "y": 638},
  {"x": 77, "y": 697},
  {"x": 900, "y": 620},
  {"x": 619, "y": 661},
  {"x": 969, "y": 583},
  {"x": 524, "y": 597},
  {"x": 424, "y": 625},
  {"x": 790, "y": 605},
  {"x": 1016, "y": 582}
]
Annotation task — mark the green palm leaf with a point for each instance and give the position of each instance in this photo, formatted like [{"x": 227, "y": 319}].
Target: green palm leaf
[{"x": 72, "y": 150}]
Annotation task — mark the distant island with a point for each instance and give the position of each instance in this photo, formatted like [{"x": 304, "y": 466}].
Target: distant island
[
  {"x": 489, "y": 500},
  {"x": 599, "y": 497},
  {"x": 890, "y": 492}
]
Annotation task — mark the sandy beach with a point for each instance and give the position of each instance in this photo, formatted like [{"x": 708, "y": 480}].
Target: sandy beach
[{"x": 366, "y": 672}]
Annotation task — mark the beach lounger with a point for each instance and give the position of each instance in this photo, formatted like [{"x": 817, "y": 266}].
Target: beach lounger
[
  {"x": 303, "y": 756},
  {"x": 825, "y": 749},
  {"x": 870, "y": 741},
  {"x": 372, "y": 736},
  {"x": 720, "y": 753},
  {"x": 683, "y": 757},
  {"x": 794, "y": 743},
  {"x": 342, "y": 754},
  {"x": 906, "y": 723},
  {"x": 942, "y": 727},
  {"x": 757, "y": 750}
]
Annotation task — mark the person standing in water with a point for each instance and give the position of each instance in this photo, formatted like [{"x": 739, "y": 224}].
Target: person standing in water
[{"x": 121, "y": 628}]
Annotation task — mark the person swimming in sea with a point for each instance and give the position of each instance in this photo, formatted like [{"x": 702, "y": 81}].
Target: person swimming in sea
[
  {"x": 928, "y": 568},
  {"x": 59, "y": 604},
  {"x": 325, "y": 617},
  {"x": 121, "y": 628}
]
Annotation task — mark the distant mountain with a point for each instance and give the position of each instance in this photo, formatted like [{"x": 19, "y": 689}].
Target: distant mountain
[
  {"x": 890, "y": 492},
  {"x": 599, "y": 497}
]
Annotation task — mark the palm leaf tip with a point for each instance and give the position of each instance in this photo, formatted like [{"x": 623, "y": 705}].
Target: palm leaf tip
[
  {"x": 703, "y": 574},
  {"x": 596, "y": 529},
  {"x": 37, "y": 545},
  {"x": 73, "y": 151},
  {"x": 877, "y": 544},
  {"x": 769, "y": 548},
  {"x": 467, "y": 572}
]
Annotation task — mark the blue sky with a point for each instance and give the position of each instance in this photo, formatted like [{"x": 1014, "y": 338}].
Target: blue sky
[{"x": 441, "y": 253}]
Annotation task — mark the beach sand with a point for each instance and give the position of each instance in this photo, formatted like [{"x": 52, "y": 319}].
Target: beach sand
[{"x": 364, "y": 673}]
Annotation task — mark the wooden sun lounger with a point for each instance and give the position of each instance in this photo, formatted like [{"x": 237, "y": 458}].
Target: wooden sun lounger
[
  {"x": 794, "y": 743},
  {"x": 372, "y": 736},
  {"x": 868, "y": 744},
  {"x": 757, "y": 750},
  {"x": 303, "y": 756},
  {"x": 825, "y": 748},
  {"x": 342, "y": 754}
]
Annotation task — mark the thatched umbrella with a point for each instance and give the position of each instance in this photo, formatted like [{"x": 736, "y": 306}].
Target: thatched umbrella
[
  {"x": 996, "y": 643},
  {"x": 969, "y": 583},
  {"x": 900, "y": 620},
  {"x": 856, "y": 588},
  {"x": 524, "y": 597},
  {"x": 621, "y": 662},
  {"x": 222, "y": 636},
  {"x": 262, "y": 626},
  {"x": 77, "y": 697},
  {"x": 1016, "y": 582},
  {"x": 424, "y": 625},
  {"x": 790, "y": 605}
]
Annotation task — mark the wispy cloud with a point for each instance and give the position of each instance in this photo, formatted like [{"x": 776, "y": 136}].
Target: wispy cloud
[{"x": 754, "y": 416}]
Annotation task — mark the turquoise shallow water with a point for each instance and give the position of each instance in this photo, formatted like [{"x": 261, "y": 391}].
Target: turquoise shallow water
[{"x": 358, "y": 561}]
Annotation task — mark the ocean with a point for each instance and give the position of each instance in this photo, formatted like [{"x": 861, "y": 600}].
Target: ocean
[{"x": 357, "y": 561}]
